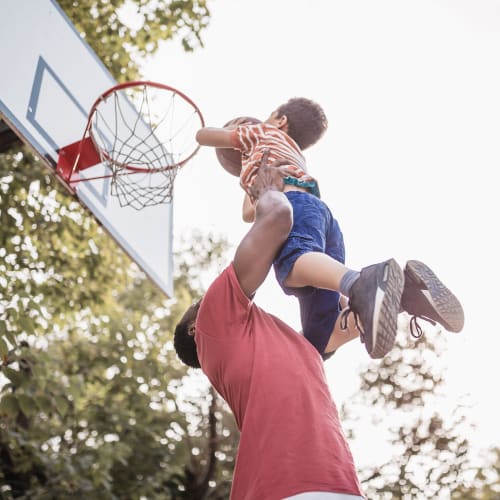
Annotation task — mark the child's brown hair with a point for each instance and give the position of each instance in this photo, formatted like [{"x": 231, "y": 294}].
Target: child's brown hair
[{"x": 306, "y": 120}]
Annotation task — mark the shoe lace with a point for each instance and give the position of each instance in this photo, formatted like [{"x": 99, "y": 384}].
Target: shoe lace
[
  {"x": 416, "y": 330},
  {"x": 344, "y": 316}
]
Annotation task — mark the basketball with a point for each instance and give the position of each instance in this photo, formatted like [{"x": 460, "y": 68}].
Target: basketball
[{"x": 230, "y": 159}]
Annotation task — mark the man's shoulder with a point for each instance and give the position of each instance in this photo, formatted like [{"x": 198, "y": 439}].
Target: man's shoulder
[
  {"x": 226, "y": 280},
  {"x": 223, "y": 304}
]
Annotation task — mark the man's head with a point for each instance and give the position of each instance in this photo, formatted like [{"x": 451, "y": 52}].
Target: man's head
[
  {"x": 302, "y": 119},
  {"x": 184, "y": 343}
]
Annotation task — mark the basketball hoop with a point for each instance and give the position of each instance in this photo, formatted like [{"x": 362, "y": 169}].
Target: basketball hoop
[{"x": 142, "y": 132}]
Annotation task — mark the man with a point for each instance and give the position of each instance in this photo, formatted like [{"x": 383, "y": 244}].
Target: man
[
  {"x": 272, "y": 378},
  {"x": 291, "y": 444}
]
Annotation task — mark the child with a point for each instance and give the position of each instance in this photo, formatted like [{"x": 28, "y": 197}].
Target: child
[{"x": 310, "y": 265}]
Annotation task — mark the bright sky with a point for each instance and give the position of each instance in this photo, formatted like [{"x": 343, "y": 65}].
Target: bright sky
[{"x": 411, "y": 90}]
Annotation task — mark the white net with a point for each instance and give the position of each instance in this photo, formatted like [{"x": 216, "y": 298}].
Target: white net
[{"x": 144, "y": 133}]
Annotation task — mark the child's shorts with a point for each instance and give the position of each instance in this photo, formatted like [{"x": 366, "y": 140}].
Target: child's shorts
[{"x": 314, "y": 230}]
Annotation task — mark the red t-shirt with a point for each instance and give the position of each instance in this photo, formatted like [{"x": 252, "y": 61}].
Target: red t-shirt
[{"x": 272, "y": 378}]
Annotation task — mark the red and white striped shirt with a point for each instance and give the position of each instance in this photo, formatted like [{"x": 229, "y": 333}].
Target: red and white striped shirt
[{"x": 254, "y": 140}]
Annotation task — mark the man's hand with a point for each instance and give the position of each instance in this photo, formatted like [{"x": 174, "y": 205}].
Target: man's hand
[{"x": 268, "y": 177}]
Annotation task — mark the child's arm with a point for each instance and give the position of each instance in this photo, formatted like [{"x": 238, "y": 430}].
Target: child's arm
[
  {"x": 248, "y": 209},
  {"x": 219, "y": 137},
  {"x": 216, "y": 137}
]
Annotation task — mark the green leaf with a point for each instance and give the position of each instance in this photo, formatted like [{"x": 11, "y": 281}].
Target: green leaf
[
  {"x": 44, "y": 403},
  {"x": 11, "y": 337},
  {"x": 8, "y": 405},
  {"x": 62, "y": 405},
  {"x": 12, "y": 314},
  {"x": 27, "y": 404},
  {"x": 27, "y": 325},
  {"x": 39, "y": 375},
  {"x": 14, "y": 376},
  {"x": 4, "y": 349},
  {"x": 75, "y": 388},
  {"x": 5, "y": 333},
  {"x": 33, "y": 305}
]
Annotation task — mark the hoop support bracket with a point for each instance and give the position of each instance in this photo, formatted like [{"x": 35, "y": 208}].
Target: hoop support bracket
[{"x": 75, "y": 157}]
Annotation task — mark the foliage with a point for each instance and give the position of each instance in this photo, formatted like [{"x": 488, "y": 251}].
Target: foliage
[
  {"x": 401, "y": 399},
  {"x": 123, "y": 32},
  {"x": 93, "y": 400},
  {"x": 484, "y": 481}
]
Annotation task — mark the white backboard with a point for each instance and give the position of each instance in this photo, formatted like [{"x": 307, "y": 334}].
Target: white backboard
[{"x": 50, "y": 79}]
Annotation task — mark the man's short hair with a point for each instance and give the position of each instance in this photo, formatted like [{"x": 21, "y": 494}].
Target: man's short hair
[
  {"x": 184, "y": 345},
  {"x": 306, "y": 120}
]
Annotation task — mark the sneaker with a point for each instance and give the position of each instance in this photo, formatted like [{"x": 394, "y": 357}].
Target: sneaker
[
  {"x": 426, "y": 297},
  {"x": 374, "y": 300}
]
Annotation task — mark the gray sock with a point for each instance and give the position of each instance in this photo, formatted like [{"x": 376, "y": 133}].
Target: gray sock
[{"x": 347, "y": 281}]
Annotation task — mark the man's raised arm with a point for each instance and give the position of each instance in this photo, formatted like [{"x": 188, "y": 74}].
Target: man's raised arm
[{"x": 273, "y": 222}]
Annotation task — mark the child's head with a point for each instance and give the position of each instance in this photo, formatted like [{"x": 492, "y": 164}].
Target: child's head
[{"x": 306, "y": 121}]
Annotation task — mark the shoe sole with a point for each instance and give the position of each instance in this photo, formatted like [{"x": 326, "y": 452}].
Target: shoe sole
[
  {"x": 446, "y": 306},
  {"x": 387, "y": 305}
]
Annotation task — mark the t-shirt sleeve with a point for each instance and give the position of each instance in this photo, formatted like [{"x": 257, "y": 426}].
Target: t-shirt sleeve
[
  {"x": 245, "y": 137},
  {"x": 235, "y": 138},
  {"x": 224, "y": 306}
]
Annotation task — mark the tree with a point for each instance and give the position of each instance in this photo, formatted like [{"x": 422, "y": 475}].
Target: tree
[
  {"x": 106, "y": 27},
  {"x": 91, "y": 401},
  {"x": 93, "y": 405},
  {"x": 401, "y": 396},
  {"x": 125, "y": 32},
  {"x": 484, "y": 481}
]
